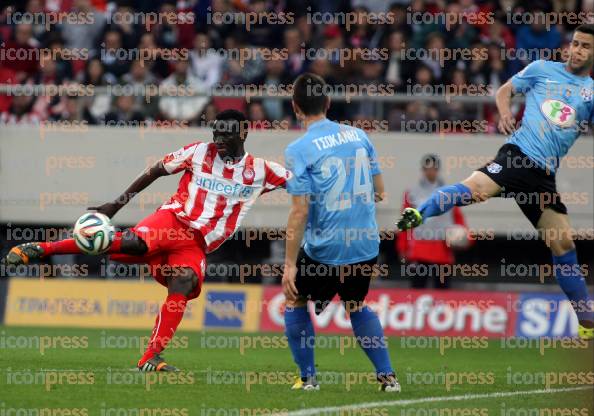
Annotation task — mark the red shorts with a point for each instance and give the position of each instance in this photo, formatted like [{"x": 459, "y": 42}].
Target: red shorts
[{"x": 171, "y": 244}]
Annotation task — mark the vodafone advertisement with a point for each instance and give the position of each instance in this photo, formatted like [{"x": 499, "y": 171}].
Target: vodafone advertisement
[
  {"x": 406, "y": 312},
  {"x": 413, "y": 312}
]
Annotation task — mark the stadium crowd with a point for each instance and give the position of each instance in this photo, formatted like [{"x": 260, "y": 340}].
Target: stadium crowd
[{"x": 167, "y": 50}]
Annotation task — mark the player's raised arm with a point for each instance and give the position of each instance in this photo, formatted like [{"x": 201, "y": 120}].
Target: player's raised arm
[
  {"x": 147, "y": 177},
  {"x": 507, "y": 122},
  {"x": 170, "y": 164},
  {"x": 378, "y": 187}
]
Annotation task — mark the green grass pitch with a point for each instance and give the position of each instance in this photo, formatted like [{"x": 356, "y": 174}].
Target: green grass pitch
[{"x": 230, "y": 373}]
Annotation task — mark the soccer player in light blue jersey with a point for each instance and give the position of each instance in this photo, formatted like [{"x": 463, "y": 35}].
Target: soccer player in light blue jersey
[
  {"x": 559, "y": 105},
  {"x": 335, "y": 184}
]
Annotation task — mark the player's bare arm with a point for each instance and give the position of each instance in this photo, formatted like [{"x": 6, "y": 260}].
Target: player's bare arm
[
  {"x": 507, "y": 122},
  {"x": 143, "y": 181},
  {"x": 379, "y": 192},
  {"x": 295, "y": 230}
]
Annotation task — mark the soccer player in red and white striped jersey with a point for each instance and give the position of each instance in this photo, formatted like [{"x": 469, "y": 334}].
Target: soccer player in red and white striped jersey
[{"x": 219, "y": 184}]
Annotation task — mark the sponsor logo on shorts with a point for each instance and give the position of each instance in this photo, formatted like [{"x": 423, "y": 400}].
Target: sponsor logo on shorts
[
  {"x": 558, "y": 112},
  {"x": 494, "y": 167}
]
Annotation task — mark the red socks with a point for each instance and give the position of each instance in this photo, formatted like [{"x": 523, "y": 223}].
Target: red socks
[
  {"x": 166, "y": 323},
  {"x": 68, "y": 246}
]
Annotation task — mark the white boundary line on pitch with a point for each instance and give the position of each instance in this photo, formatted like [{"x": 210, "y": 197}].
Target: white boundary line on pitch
[{"x": 393, "y": 403}]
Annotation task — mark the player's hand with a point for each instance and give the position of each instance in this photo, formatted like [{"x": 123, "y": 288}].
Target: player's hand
[
  {"x": 507, "y": 124},
  {"x": 109, "y": 209},
  {"x": 288, "y": 282}
]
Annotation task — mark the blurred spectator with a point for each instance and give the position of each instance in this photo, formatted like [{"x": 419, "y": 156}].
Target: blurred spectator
[
  {"x": 534, "y": 40},
  {"x": 333, "y": 42},
  {"x": 124, "y": 114},
  {"x": 498, "y": 34},
  {"x": 64, "y": 68},
  {"x": 275, "y": 76},
  {"x": 166, "y": 33},
  {"x": 491, "y": 71},
  {"x": 22, "y": 53},
  {"x": 205, "y": 63},
  {"x": 398, "y": 70},
  {"x": 371, "y": 74},
  {"x": 419, "y": 117},
  {"x": 257, "y": 116},
  {"x": 155, "y": 62},
  {"x": 208, "y": 116},
  {"x": 215, "y": 23},
  {"x": 456, "y": 111},
  {"x": 48, "y": 73},
  {"x": 400, "y": 23},
  {"x": 85, "y": 33},
  {"x": 95, "y": 106},
  {"x": 424, "y": 77},
  {"x": 439, "y": 66},
  {"x": 292, "y": 42},
  {"x": 460, "y": 33},
  {"x": 122, "y": 21},
  {"x": 421, "y": 31},
  {"x": 238, "y": 70},
  {"x": 45, "y": 105},
  {"x": 20, "y": 112},
  {"x": 431, "y": 243},
  {"x": 139, "y": 77},
  {"x": 185, "y": 106},
  {"x": 113, "y": 56},
  {"x": 35, "y": 8},
  {"x": 262, "y": 32},
  {"x": 360, "y": 34},
  {"x": 69, "y": 110}
]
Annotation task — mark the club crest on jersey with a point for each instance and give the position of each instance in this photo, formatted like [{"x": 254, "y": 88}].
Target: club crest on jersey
[
  {"x": 558, "y": 113},
  {"x": 586, "y": 94},
  {"x": 494, "y": 167},
  {"x": 248, "y": 174}
]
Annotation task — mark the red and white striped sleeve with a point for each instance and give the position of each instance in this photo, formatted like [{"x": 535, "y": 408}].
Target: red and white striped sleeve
[
  {"x": 180, "y": 159},
  {"x": 276, "y": 176}
]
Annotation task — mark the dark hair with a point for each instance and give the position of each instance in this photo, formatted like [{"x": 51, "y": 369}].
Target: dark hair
[
  {"x": 230, "y": 115},
  {"x": 309, "y": 93},
  {"x": 430, "y": 161},
  {"x": 589, "y": 29}
]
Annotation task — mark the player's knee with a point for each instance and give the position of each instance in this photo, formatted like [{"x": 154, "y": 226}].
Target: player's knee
[
  {"x": 480, "y": 186},
  {"x": 133, "y": 244},
  {"x": 184, "y": 281},
  {"x": 476, "y": 188},
  {"x": 561, "y": 246}
]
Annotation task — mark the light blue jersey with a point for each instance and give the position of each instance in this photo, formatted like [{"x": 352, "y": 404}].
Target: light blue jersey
[
  {"x": 559, "y": 107},
  {"x": 334, "y": 164}
]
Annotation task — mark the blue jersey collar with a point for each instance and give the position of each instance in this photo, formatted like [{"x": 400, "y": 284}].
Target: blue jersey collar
[{"x": 317, "y": 123}]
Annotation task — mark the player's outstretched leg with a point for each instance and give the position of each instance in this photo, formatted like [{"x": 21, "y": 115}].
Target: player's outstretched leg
[
  {"x": 301, "y": 337},
  {"x": 477, "y": 187},
  {"x": 556, "y": 232},
  {"x": 438, "y": 203},
  {"x": 370, "y": 336},
  {"x": 182, "y": 282},
  {"x": 123, "y": 243}
]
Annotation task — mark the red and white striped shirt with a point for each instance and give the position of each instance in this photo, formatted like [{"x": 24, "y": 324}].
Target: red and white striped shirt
[{"x": 214, "y": 196}]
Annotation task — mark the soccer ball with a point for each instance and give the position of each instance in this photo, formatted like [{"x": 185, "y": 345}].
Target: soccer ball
[{"x": 93, "y": 233}]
